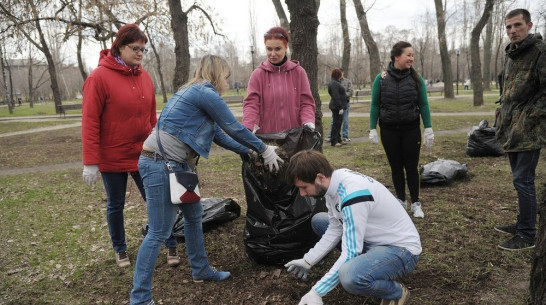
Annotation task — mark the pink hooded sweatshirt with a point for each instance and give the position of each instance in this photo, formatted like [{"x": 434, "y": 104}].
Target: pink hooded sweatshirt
[{"x": 279, "y": 98}]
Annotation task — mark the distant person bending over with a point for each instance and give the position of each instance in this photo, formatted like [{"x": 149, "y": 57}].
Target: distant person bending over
[
  {"x": 379, "y": 242},
  {"x": 399, "y": 100},
  {"x": 192, "y": 119},
  {"x": 521, "y": 121},
  {"x": 279, "y": 95},
  {"x": 118, "y": 113}
]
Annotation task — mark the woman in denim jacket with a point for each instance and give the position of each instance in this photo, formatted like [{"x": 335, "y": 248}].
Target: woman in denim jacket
[{"x": 192, "y": 119}]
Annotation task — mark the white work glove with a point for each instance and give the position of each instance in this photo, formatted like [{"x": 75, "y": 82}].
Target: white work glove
[
  {"x": 311, "y": 298},
  {"x": 340, "y": 112},
  {"x": 271, "y": 159},
  {"x": 90, "y": 174},
  {"x": 310, "y": 125},
  {"x": 373, "y": 136},
  {"x": 299, "y": 267},
  {"x": 428, "y": 137}
]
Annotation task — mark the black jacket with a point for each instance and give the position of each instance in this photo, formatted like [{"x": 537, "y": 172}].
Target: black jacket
[
  {"x": 399, "y": 98},
  {"x": 338, "y": 95}
]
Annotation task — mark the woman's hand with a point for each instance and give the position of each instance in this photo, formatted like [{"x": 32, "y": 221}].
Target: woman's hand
[{"x": 271, "y": 159}]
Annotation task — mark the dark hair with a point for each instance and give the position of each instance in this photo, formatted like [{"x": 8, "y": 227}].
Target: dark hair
[
  {"x": 306, "y": 164},
  {"x": 336, "y": 73},
  {"x": 525, "y": 13},
  {"x": 127, "y": 34},
  {"x": 277, "y": 33},
  {"x": 397, "y": 50}
]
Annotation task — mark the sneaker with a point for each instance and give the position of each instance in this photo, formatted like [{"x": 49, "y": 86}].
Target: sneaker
[
  {"x": 417, "y": 210},
  {"x": 122, "y": 260},
  {"x": 328, "y": 140},
  {"x": 401, "y": 301},
  {"x": 403, "y": 203},
  {"x": 214, "y": 276},
  {"x": 343, "y": 143},
  {"x": 508, "y": 229},
  {"x": 517, "y": 243},
  {"x": 172, "y": 257},
  {"x": 337, "y": 145},
  {"x": 346, "y": 140}
]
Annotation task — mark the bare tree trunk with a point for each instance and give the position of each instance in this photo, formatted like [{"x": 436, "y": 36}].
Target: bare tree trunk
[
  {"x": 487, "y": 50},
  {"x": 444, "y": 54},
  {"x": 7, "y": 97},
  {"x": 476, "y": 69},
  {"x": 537, "y": 286},
  {"x": 303, "y": 28},
  {"x": 346, "y": 57},
  {"x": 30, "y": 78},
  {"x": 79, "y": 45},
  {"x": 373, "y": 51},
  {"x": 283, "y": 19},
  {"x": 179, "y": 25},
  {"x": 158, "y": 59}
]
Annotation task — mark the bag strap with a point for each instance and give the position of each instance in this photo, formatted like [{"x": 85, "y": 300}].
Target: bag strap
[{"x": 167, "y": 163}]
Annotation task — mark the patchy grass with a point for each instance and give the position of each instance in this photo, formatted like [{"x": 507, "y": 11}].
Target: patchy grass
[{"x": 55, "y": 248}]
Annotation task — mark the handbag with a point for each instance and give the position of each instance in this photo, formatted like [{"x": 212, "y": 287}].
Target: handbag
[{"x": 184, "y": 185}]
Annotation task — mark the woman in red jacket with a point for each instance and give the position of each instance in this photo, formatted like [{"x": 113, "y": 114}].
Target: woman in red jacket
[{"x": 119, "y": 112}]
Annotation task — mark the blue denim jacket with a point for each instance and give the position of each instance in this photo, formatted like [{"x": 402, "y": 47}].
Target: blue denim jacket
[{"x": 197, "y": 115}]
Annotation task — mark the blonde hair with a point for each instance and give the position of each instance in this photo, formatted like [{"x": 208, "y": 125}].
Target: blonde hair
[{"x": 213, "y": 69}]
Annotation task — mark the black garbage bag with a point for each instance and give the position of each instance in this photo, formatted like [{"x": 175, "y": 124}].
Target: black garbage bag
[
  {"x": 278, "y": 219},
  {"x": 442, "y": 172},
  {"x": 215, "y": 211},
  {"x": 482, "y": 141}
]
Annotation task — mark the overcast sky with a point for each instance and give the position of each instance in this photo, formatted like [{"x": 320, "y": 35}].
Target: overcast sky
[{"x": 402, "y": 14}]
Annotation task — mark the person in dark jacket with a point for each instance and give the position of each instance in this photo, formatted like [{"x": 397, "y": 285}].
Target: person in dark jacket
[
  {"x": 521, "y": 121},
  {"x": 399, "y": 101},
  {"x": 118, "y": 113},
  {"x": 338, "y": 103}
]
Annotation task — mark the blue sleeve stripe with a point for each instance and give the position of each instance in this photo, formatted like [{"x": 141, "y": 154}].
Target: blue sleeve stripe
[
  {"x": 349, "y": 233},
  {"x": 354, "y": 200},
  {"x": 328, "y": 284},
  {"x": 359, "y": 193}
]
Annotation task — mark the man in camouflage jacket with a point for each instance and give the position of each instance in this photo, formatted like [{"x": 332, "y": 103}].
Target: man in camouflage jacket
[{"x": 521, "y": 121}]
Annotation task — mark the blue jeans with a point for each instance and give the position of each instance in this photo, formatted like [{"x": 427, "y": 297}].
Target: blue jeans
[
  {"x": 161, "y": 217},
  {"x": 345, "y": 127},
  {"x": 115, "y": 185},
  {"x": 523, "y": 166},
  {"x": 373, "y": 272}
]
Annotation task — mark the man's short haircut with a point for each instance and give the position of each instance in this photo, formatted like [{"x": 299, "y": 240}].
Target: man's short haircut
[
  {"x": 306, "y": 164},
  {"x": 525, "y": 13}
]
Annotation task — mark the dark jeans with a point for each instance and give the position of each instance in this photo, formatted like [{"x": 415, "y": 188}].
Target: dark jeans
[
  {"x": 115, "y": 185},
  {"x": 337, "y": 120},
  {"x": 403, "y": 148},
  {"x": 523, "y": 166}
]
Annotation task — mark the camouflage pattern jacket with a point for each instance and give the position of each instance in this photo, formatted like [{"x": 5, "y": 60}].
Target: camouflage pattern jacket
[{"x": 521, "y": 117}]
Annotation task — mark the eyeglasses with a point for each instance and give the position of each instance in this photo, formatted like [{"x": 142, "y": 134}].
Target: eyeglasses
[
  {"x": 136, "y": 49},
  {"x": 274, "y": 35}
]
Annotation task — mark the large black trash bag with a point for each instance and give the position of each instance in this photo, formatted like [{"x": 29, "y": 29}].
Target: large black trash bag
[
  {"x": 215, "y": 212},
  {"x": 442, "y": 172},
  {"x": 278, "y": 219},
  {"x": 482, "y": 141}
]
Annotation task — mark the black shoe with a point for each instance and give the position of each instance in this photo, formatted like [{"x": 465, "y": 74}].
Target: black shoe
[
  {"x": 509, "y": 229},
  {"x": 517, "y": 243}
]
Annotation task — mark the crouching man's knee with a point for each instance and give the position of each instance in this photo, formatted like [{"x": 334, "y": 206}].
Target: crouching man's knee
[{"x": 355, "y": 283}]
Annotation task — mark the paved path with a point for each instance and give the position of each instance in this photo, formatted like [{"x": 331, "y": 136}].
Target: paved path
[{"x": 237, "y": 113}]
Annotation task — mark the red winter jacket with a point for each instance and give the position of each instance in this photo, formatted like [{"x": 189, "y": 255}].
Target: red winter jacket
[{"x": 118, "y": 115}]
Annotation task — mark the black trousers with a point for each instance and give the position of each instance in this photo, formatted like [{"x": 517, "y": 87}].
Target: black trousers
[
  {"x": 403, "y": 148},
  {"x": 337, "y": 120}
]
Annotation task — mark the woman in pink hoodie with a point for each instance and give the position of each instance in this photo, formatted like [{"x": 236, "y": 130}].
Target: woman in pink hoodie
[{"x": 279, "y": 95}]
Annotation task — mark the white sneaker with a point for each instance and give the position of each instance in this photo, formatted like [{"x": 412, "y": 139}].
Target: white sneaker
[
  {"x": 404, "y": 204},
  {"x": 417, "y": 211}
]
